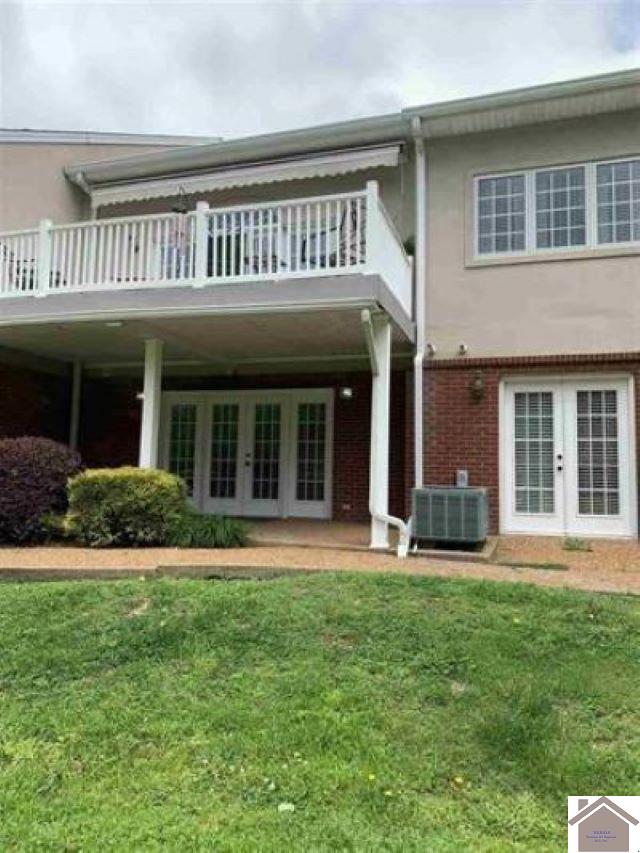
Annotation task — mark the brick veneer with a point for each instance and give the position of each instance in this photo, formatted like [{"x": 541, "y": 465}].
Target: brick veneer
[
  {"x": 33, "y": 403},
  {"x": 461, "y": 432},
  {"x": 110, "y": 428}
]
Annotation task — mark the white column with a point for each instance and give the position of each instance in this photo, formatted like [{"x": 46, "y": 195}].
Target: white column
[
  {"x": 76, "y": 392},
  {"x": 380, "y": 410},
  {"x": 152, "y": 389},
  {"x": 202, "y": 242}
]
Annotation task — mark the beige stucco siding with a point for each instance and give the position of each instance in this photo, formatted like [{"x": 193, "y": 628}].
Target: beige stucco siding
[
  {"x": 33, "y": 185},
  {"x": 580, "y": 304}
]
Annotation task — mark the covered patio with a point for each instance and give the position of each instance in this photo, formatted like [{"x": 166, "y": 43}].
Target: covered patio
[{"x": 270, "y": 403}]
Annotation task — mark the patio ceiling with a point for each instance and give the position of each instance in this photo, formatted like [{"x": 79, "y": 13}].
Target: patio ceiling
[{"x": 281, "y": 340}]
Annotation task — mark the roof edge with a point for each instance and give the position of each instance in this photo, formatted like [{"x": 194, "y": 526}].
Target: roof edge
[
  {"x": 380, "y": 129},
  {"x": 97, "y": 137},
  {"x": 528, "y": 94}
]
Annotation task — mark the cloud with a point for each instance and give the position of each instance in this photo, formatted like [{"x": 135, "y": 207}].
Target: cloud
[{"x": 243, "y": 67}]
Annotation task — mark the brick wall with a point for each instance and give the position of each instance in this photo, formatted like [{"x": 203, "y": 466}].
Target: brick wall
[
  {"x": 461, "y": 432},
  {"x": 110, "y": 428},
  {"x": 33, "y": 403}
]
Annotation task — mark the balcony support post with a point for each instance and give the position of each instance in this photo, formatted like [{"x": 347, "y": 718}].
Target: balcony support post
[
  {"x": 43, "y": 269},
  {"x": 202, "y": 243},
  {"x": 380, "y": 329},
  {"x": 151, "y": 396}
]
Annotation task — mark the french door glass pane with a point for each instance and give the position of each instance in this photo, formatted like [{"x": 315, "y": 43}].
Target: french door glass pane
[
  {"x": 182, "y": 442},
  {"x": 534, "y": 448},
  {"x": 224, "y": 450},
  {"x": 310, "y": 484},
  {"x": 266, "y": 451},
  {"x": 598, "y": 456}
]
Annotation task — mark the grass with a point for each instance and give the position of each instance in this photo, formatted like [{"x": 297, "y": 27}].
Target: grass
[
  {"x": 573, "y": 543},
  {"x": 322, "y": 713}
]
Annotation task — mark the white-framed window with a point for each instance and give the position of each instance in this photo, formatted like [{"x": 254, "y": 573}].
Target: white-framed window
[
  {"x": 558, "y": 209},
  {"x": 501, "y": 214},
  {"x": 618, "y": 199}
]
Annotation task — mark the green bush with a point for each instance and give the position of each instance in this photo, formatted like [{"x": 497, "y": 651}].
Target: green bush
[
  {"x": 191, "y": 530},
  {"x": 124, "y": 506}
]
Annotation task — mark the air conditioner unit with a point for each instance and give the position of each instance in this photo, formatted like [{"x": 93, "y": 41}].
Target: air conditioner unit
[{"x": 450, "y": 514}]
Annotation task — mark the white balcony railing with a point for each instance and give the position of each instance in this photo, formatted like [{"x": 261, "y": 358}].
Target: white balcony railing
[{"x": 328, "y": 235}]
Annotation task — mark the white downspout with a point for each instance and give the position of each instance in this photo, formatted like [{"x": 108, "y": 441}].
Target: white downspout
[
  {"x": 403, "y": 530},
  {"x": 421, "y": 242}
]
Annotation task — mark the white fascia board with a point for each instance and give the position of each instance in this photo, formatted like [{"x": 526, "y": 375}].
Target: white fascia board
[{"x": 81, "y": 137}]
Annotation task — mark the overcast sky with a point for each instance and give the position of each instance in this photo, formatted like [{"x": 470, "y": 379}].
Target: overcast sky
[{"x": 238, "y": 68}]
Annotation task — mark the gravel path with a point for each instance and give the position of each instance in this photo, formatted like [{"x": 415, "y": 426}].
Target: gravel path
[{"x": 608, "y": 567}]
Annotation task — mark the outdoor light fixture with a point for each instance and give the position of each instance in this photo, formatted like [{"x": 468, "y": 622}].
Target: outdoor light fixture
[
  {"x": 476, "y": 387},
  {"x": 346, "y": 393},
  {"x": 463, "y": 349}
]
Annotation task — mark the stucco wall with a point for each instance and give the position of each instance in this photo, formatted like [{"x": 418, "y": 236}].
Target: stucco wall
[
  {"x": 584, "y": 304},
  {"x": 33, "y": 185}
]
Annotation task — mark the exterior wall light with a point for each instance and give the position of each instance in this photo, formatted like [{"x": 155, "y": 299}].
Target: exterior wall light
[
  {"x": 346, "y": 393},
  {"x": 477, "y": 387}
]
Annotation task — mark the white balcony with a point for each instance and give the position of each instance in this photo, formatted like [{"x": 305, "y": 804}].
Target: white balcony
[{"x": 324, "y": 236}]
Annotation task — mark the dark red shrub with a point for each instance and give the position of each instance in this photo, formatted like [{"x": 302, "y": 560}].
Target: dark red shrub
[{"x": 33, "y": 483}]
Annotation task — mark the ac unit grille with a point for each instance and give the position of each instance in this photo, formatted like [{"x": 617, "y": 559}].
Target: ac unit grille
[{"x": 450, "y": 514}]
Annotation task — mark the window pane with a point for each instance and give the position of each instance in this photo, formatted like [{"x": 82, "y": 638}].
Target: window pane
[
  {"x": 310, "y": 480},
  {"x": 500, "y": 214},
  {"x": 533, "y": 452},
  {"x": 598, "y": 458},
  {"x": 560, "y": 208},
  {"x": 266, "y": 451},
  {"x": 224, "y": 450},
  {"x": 182, "y": 442},
  {"x": 618, "y": 188}
]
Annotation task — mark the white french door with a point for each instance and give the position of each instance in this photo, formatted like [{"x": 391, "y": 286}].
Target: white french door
[
  {"x": 261, "y": 454},
  {"x": 567, "y": 458}
]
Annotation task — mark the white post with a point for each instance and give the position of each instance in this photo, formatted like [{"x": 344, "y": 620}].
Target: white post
[
  {"x": 76, "y": 391},
  {"x": 372, "y": 227},
  {"x": 202, "y": 242},
  {"x": 152, "y": 389},
  {"x": 44, "y": 257},
  {"x": 380, "y": 411}
]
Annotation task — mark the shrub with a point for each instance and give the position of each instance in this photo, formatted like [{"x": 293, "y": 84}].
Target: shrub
[
  {"x": 33, "y": 484},
  {"x": 124, "y": 506},
  {"x": 192, "y": 530}
]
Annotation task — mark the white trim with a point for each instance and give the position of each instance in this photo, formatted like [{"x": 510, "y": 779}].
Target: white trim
[
  {"x": 591, "y": 212},
  {"x": 91, "y": 137},
  {"x": 286, "y": 505},
  {"x": 239, "y": 176}
]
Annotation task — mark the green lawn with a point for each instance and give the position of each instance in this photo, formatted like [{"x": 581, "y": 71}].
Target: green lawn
[{"x": 391, "y": 713}]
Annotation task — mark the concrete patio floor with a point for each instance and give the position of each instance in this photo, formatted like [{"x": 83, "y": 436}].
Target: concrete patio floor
[{"x": 609, "y": 566}]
